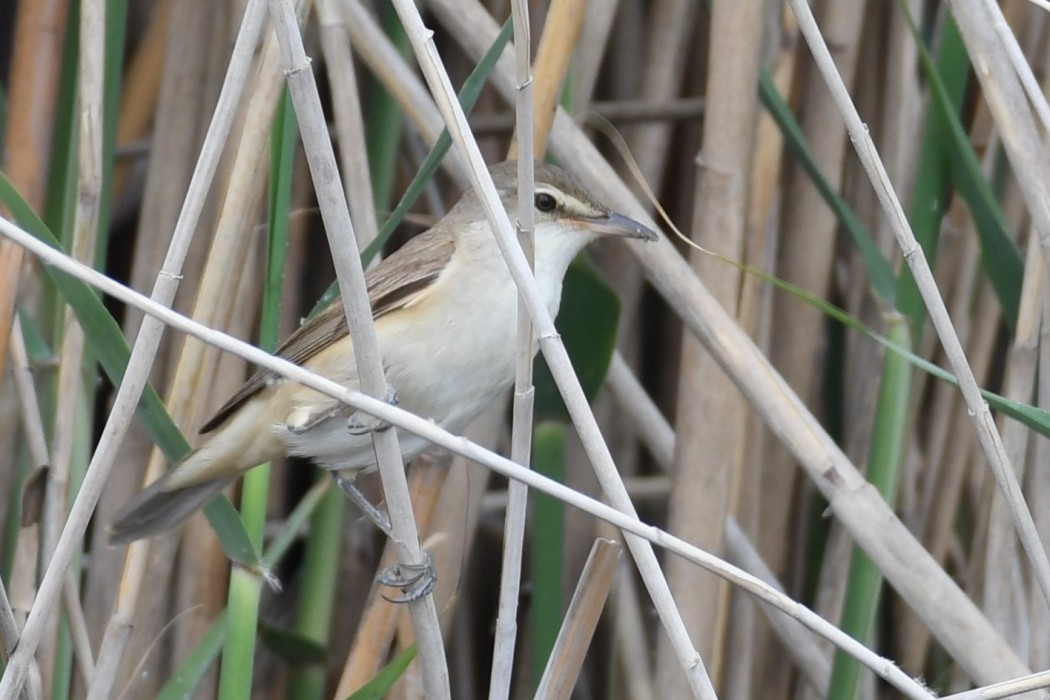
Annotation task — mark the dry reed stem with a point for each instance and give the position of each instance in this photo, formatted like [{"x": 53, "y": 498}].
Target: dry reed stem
[
  {"x": 625, "y": 279},
  {"x": 673, "y": 23},
  {"x": 559, "y": 40},
  {"x": 945, "y": 454},
  {"x": 669, "y": 30},
  {"x": 902, "y": 107},
  {"x": 393, "y": 72},
  {"x": 408, "y": 686},
  {"x": 807, "y": 655},
  {"x": 946, "y": 497},
  {"x": 36, "y": 442},
  {"x": 940, "y": 436},
  {"x": 632, "y": 638},
  {"x": 1007, "y": 689},
  {"x": 712, "y": 417},
  {"x": 524, "y": 392},
  {"x": 178, "y": 130},
  {"x": 1020, "y": 377},
  {"x": 752, "y": 642},
  {"x": 23, "y": 594},
  {"x": 981, "y": 24},
  {"x": 82, "y": 654},
  {"x": 197, "y": 54},
  {"x": 614, "y": 111},
  {"x": 805, "y": 251},
  {"x": 141, "y": 88},
  {"x": 905, "y": 563},
  {"x": 958, "y": 557},
  {"x": 830, "y": 590},
  {"x": 347, "y": 261},
  {"x": 1039, "y": 647},
  {"x": 1019, "y": 62},
  {"x": 1035, "y": 615},
  {"x": 369, "y": 41},
  {"x": 591, "y": 48},
  {"x": 90, "y": 67},
  {"x": 581, "y": 619},
  {"x": 980, "y": 337},
  {"x": 31, "y": 101},
  {"x": 349, "y": 123},
  {"x": 407, "y": 421},
  {"x": 8, "y": 628}
]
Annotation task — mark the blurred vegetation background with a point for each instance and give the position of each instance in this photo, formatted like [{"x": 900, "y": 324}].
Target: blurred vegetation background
[{"x": 735, "y": 132}]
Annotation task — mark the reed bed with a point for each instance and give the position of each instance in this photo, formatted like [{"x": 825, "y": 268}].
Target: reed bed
[{"x": 792, "y": 450}]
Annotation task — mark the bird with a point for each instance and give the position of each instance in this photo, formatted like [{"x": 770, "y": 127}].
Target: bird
[{"x": 445, "y": 313}]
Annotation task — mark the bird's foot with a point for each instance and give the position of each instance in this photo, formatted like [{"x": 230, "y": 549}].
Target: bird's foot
[
  {"x": 414, "y": 580},
  {"x": 361, "y": 423}
]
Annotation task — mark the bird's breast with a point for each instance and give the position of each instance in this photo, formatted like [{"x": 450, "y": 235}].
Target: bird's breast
[{"x": 453, "y": 354}]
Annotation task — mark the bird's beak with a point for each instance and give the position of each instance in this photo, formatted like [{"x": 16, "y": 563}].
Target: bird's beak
[{"x": 613, "y": 224}]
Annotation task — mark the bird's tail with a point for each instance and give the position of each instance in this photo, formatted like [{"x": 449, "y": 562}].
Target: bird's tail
[
  {"x": 161, "y": 507},
  {"x": 238, "y": 445}
]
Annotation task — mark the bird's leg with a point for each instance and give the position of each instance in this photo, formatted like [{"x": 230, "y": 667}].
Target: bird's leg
[
  {"x": 377, "y": 516},
  {"x": 415, "y": 581},
  {"x": 361, "y": 423}
]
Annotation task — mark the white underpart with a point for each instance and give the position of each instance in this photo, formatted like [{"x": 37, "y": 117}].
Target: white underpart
[{"x": 448, "y": 356}]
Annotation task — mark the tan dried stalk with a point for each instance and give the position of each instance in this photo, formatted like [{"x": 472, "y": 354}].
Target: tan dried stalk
[
  {"x": 712, "y": 417},
  {"x": 524, "y": 392},
  {"x": 36, "y": 441},
  {"x": 755, "y": 649},
  {"x": 90, "y": 76},
  {"x": 31, "y": 102},
  {"x": 581, "y": 619},
  {"x": 347, "y": 260},
  {"x": 805, "y": 251},
  {"x": 349, "y": 123},
  {"x": 141, "y": 88},
  {"x": 999, "y": 590}
]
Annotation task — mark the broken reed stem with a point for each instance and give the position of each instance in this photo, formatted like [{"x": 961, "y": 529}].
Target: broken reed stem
[{"x": 581, "y": 619}]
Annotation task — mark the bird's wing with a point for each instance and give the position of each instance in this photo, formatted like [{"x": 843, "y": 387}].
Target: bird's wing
[{"x": 396, "y": 282}]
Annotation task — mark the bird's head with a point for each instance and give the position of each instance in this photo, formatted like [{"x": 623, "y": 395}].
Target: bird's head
[{"x": 567, "y": 215}]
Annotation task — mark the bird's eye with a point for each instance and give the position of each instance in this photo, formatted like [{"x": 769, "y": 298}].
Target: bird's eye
[{"x": 546, "y": 201}]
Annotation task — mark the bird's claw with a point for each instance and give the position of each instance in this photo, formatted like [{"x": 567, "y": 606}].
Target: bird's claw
[
  {"x": 361, "y": 423},
  {"x": 414, "y": 580}
]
